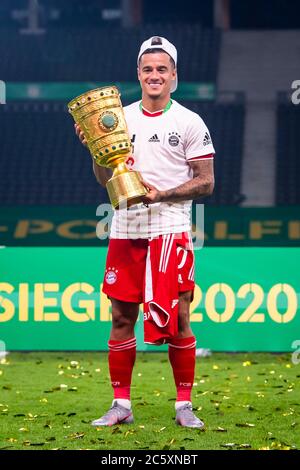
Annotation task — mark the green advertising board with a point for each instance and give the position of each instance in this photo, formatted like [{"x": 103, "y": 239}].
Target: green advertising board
[
  {"x": 76, "y": 226},
  {"x": 246, "y": 299}
]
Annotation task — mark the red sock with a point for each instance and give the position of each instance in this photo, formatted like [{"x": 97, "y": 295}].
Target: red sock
[
  {"x": 182, "y": 358},
  {"x": 121, "y": 359}
]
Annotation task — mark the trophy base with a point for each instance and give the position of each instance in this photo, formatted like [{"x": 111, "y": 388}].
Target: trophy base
[{"x": 125, "y": 189}]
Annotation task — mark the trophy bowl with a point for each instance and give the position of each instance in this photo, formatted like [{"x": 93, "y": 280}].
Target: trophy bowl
[{"x": 100, "y": 115}]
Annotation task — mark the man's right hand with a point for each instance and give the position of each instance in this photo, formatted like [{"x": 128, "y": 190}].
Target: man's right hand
[{"x": 80, "y": 134}]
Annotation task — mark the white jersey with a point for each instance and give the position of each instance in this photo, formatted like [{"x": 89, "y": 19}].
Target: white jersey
[{"x": 162, "y": 148}]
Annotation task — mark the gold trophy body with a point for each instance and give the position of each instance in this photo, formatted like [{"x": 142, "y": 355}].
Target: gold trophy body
[{"x": 100, "y": 116}]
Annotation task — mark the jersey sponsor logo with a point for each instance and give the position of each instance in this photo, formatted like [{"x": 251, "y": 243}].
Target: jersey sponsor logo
[
  {"x": 174, "y": 139},
  {"x": 154, "y": 138},
  {"x": 207, "y": 139},
  {"x": 111, "y": 276}
]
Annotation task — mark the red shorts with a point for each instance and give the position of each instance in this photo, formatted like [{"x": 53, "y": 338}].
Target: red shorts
[{"x": 124, "y": 277}]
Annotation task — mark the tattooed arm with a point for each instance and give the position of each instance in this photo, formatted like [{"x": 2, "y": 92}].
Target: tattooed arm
[{"x": 202, "y": 184}]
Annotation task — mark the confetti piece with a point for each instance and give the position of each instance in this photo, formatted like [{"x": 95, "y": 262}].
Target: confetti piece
[
  {"x": 74, "y": 364},
  {"x": 246, "y": 364},
  {"x": 219, "y": 429},
  {"x": 245, "y": 425}
]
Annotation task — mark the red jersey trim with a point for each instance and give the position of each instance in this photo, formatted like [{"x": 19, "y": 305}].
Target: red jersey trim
[
  {"x": 202, "y": 157},
  {"x": 146, "y": 113}
]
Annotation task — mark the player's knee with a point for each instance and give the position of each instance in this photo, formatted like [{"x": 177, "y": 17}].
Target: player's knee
[
  {"x": 185, "y": 298},
  {"x": 120, "y": 321}
]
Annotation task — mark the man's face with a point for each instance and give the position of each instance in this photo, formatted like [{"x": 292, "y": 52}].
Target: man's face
[{"x": 155, "y": 73}]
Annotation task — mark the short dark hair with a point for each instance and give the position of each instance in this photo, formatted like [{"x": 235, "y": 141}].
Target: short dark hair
[{"x": 154, "y": 51}]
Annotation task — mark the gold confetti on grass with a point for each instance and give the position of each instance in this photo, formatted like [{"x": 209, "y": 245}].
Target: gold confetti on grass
[
  {"x": 47, "y": 425},
  {"x": 161, "y": 429},
  {"x": 245, "y": 425},
  {"x": 74, "y": 364},
  {"x": 4, "y": 362},
  {"x": 117, "y": 430},
  {"x": 228, "y": 444},
  {"x": 29, "y": 443},
  {"x": 233, "y": 445},
  {"x": 76, "y": 435}
]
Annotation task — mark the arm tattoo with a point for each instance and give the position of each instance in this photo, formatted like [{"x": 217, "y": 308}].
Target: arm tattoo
[{"x": 201, "y": 185}]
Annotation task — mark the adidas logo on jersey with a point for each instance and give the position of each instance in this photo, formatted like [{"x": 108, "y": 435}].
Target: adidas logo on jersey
[
  {"x": 154, "y": 138},
  {"x": 207, "y": 139}
]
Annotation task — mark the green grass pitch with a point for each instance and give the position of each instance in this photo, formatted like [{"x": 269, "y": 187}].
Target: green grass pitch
[{"x": 248, "y": 401}]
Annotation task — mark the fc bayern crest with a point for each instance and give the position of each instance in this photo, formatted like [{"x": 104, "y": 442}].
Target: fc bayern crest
[
  {"x": 111, "y": 276},
  {"x": 174, "y": 139}
]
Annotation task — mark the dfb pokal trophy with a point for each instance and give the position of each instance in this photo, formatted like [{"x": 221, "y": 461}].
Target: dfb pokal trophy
[{"x": 100, "y": 116}]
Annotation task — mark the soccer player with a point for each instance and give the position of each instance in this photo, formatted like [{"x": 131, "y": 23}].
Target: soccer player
[{"x": 173, "y": 151}]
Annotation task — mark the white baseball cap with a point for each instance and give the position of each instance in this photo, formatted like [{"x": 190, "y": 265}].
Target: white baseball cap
[{"x": 157, "y": 42}]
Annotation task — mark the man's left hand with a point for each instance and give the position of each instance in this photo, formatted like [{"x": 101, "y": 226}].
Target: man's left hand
[{"x": 153, "y": 195}]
